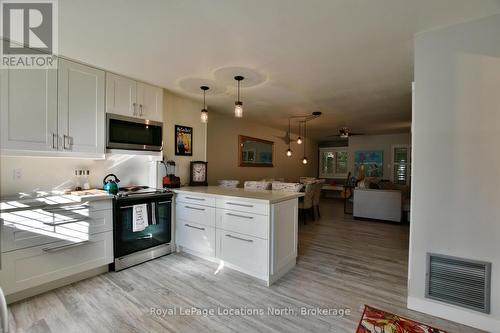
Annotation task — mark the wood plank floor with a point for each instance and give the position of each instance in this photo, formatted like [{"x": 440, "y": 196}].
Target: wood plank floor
[{"x": 342, "y": 264}]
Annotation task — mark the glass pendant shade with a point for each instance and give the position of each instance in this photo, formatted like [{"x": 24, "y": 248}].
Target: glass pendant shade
[
  {"x": 304, "y": 160},
  {"x": 289, "y": 152},
  {"x": 299, "y": 141},
  {"x": 238, "y": 109},
  {"x": 204, "y": 116}
]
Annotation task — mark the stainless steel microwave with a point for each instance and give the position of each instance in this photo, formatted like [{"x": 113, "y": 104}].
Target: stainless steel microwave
[{"x": 124, "y": 132}]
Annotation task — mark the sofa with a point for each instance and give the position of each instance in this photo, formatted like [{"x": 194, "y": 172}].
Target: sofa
[{"x": 378, "y": 204}]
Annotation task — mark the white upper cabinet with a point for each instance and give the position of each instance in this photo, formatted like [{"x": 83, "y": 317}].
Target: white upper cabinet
[
  {"x": 131, "y": 98},
  {"x": 29, "y": 109},
  {"x": 121, "y": 95},
  {"x": 81, "y": 116},
  {"x": 150, "y": 102}
]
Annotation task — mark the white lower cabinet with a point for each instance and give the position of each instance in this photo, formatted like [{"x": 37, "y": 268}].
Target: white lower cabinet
[
  {"x": 243, "y": 222},
  {"x": 256, "y": 237},
  {"x": 196, "y": 237},
  {"x": 34, "y": 266},
  {"x": 247, "y": 253},
  {"x": 45, "y": 244},
  {"x": 195, "y": 213},
  {"x": 24, "y": 229}
]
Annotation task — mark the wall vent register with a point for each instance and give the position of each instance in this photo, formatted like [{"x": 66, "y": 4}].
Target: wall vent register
[{"x": 458, "y": 281}]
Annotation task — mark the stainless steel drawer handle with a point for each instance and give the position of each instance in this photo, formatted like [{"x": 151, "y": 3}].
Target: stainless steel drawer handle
[
  {"x": 62, "y": 247},
  {"x": 192, "y": 226},
  {"x": 199, "y": 199},
  {"x": 195, "y": 208},
  {"x": 238, "y": 204},
  {"x": 66, "y": 138},
  {"x": 164, "y": 202},
  {"x": 241, "y": 239},
  {"x": 54, "y": 137},
  {"x": 242, "y": 216}
]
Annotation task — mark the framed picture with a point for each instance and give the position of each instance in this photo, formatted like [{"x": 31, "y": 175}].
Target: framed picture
[
  {"x": 369, "y": 163},
  {"x": 183, "y": 140}
]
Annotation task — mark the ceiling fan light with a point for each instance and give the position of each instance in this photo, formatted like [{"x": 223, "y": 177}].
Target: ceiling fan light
[
  {"x": 304, "y": 160},
  {"x": 204, "y": 116},
  {"x": 238, "y": 109},
  {"x": 299, "y": 140},
  {"x": 289, "y": 152}
]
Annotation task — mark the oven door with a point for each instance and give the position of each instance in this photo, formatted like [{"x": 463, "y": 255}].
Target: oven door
[
  {"x": 157, "y": 232},
  {"x": 133, "y": 133}
]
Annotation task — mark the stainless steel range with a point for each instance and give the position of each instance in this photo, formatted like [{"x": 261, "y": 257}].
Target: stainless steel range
[{"x": 142, "y": 225}]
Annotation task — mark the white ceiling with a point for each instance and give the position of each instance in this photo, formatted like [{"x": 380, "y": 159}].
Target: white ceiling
[{"x": 350, "y": 59}]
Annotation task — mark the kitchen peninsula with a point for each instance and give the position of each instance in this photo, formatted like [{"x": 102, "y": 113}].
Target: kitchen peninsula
[{"x": 254, "y": 232}]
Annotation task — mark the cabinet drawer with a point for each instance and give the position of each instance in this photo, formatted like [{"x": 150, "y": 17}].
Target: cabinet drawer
[
  {"x": 100, "y": 205},
  {"x": 195, "y": 199},
  {"x": 195, "y": 237},
  {"x": 244, "y": 223},
  {"x": 244, "y": 206},
  {"x": 76, "y": 226},
  {"x": 195, "y": 213},
  {"x": 246, "y": 252},
  {"x": 34, "y": 266}
]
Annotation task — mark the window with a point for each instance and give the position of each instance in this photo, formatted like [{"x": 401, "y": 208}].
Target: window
[
  {"x": 401, "y": 164},
  {"x": 333, "y": 162}
]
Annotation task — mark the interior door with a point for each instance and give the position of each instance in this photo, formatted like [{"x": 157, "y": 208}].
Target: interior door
[
  {"x": 28, "y": 109},
  {"x": 121, "y": 95},
  {"x": 81, "y": 116},
  {"x": 150, "y": 101}
]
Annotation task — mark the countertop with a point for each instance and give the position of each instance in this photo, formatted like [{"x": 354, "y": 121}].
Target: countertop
[
  {"x": 251, "y": 195},
  {"x": 41, "y": 199}
]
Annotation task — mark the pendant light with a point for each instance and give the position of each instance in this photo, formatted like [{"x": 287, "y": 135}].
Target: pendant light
[
  {"x": 238, "y": 105},
  {"x": 304, "y": 160},
  {"x": 289, "y": 151},
  {"x": 204, "y": 111},
  {"x": 299, "y": 139}
]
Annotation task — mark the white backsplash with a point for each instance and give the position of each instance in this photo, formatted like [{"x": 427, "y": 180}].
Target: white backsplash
[{"x": 42, "y": 173}]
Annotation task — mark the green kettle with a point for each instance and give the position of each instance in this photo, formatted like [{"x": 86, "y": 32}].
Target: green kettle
[{"x": 110, "y": 185}]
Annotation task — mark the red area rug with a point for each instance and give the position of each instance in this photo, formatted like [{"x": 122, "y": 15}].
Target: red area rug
[{"x": 378, "y": 321}]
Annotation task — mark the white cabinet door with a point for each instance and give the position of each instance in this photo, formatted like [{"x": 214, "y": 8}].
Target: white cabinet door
[
  {"x": 34, "y": 266},
  {"x": 247, "y": 253},
  {"x": 150, "y": 102},
  {"x": 81, "y": 115},
  {"x": 121, "y": 95},
  {"x": 195, "y": 237},
  {"x": 29, "y": 109}
]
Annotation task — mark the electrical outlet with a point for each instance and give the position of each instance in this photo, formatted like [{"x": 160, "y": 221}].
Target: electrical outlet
[{"x": 18, "y": 173}]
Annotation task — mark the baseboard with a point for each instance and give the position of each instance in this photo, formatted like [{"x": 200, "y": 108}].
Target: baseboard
[
  {"x": 477, "y": 320},
  {"x": 15, "y": 297}
]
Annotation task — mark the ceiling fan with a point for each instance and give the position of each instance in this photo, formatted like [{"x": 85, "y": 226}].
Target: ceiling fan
[{"x": 345, "y": 133}]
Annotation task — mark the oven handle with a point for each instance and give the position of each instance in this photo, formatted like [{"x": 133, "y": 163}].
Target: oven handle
[
  {"x": 159, "y": 203},
  {"x": 153, "y": 213}
]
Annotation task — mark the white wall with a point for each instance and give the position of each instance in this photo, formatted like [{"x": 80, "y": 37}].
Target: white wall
[
  {"x": 179, "y": 110},
  {"x": 456, "y": 188},
  {"x": 376, "y": 142}
]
